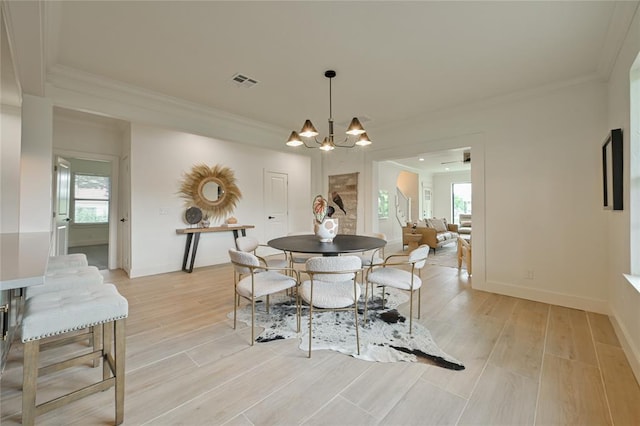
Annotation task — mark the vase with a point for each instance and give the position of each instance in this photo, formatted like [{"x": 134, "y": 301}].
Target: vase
[{"x": 327, "y": 230}]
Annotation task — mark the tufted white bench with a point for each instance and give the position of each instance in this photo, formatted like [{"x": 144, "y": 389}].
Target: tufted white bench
[
  {"x": 67, "y": 278},
  {"x": 65, "y": 261},
  {"x": 57, "y": 313}
]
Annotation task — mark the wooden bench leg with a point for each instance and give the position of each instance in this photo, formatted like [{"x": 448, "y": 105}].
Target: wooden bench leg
[
  {"x": 107, "y": 338},
  {"x": 119, "y": 343},
  {"x": 30, "y": 381},
  {"x": 96, "y": 340}
]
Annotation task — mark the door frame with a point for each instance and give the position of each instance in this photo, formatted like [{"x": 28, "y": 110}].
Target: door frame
[{"x": 114, "y": 259}]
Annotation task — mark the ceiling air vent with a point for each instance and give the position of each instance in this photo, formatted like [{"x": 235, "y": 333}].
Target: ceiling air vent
[{"x": 243, "y": 81}]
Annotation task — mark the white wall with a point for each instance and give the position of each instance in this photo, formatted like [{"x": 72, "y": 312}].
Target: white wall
[
  {"x": 86, "y": 134},
  {"x": 36, "y": 164},
  {"x": 536, "y": 180},
  {"x": 624, "y": 299},
  {"x": 10, "y": 169},
  {"x": 160, "y": 157}
]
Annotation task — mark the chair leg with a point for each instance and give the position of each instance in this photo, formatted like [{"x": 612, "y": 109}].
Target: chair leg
[
  {"x": 235, "y": 308},
  {"x": 310, "y": 317},
  {"x": 298, "y": 310},
  {"x": 355, "y": 315},
  {"x": 253, "y": 316},
  {"x": 383, "y": 297},
  {"x": 410, "y": 311},
  {"x": 366, "y": 302},
  {"x": 419, "y": 300},
  {"x": 30, "y": 382}
]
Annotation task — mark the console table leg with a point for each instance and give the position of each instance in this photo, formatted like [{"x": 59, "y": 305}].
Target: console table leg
[
  {"x": 187, "y": 248},
  {"x": 196, "y": 239}
]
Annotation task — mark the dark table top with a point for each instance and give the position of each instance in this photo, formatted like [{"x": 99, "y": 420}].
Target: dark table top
[{"x": 342, "y": 243}]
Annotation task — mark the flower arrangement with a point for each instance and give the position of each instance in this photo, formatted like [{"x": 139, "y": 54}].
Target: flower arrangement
[
  {"x": 324, "y": 227},
  {"x": 322, "y": 209}
]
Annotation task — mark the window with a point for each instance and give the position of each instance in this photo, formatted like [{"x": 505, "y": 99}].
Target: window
[
  {"x": 461, "y": 196},
  {"x": 383, "y": 204},
  {"x": 91, "y": 198}
]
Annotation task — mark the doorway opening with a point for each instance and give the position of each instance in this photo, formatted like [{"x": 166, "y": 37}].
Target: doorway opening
[{"x": 92, "y": 209}]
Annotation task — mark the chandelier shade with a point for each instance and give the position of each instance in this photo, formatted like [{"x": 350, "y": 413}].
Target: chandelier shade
[{"x": 308, "y": 132}]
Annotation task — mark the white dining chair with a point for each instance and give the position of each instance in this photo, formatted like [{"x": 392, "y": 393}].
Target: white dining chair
[
  {"x": 371, "y": 257},
  {"x": 253, "y": 280},
  {"x": 389, "y": 274},
  {"x": 332, "y": 285},
  {"x": 251, "y": 244}
]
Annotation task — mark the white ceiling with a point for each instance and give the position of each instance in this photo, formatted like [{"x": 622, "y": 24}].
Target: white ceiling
[{"x": 395, "y": 60}]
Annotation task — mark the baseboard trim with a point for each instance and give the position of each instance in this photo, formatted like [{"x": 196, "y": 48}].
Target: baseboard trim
[
  {"x": 163, "y": 269},
  {"x": 632, "y": 353},
  {"x": 546, "y": 296}
]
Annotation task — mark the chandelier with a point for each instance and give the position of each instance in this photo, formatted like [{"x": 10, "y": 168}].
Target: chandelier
[{"x": 309, "y": 132}]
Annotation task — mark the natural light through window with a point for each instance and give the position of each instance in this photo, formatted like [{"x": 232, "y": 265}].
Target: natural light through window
[
  {"x": 461, "y": 196},
  {"x": 91, "y": 198}
]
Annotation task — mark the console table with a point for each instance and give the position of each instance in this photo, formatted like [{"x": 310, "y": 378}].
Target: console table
[{"x": 191, "y": 246}]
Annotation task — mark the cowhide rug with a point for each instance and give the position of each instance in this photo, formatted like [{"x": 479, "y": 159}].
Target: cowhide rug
[{"x": 385, "y": 337}]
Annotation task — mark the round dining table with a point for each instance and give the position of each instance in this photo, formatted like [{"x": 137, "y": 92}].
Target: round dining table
[{"x": 342, "y": 243}]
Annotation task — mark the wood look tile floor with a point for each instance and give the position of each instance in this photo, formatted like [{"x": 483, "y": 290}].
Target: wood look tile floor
[{"x": 526, "y": 363}]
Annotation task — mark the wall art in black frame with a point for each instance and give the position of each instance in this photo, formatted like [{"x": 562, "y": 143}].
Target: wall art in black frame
[{"x": 612, "y": 171}]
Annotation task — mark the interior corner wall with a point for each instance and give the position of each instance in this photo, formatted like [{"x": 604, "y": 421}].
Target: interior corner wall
[
  {"x": 160, "y": 157},
  {"x": 36, "y": 164},
  {"x": 10, "y": 120},
  {"x": 624, "y": 298}
]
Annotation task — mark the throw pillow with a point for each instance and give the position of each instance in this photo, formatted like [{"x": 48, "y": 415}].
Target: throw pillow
[{"x": 438, "y": 225}]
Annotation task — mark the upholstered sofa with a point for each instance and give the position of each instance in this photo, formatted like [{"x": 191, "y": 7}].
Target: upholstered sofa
[
  {"x": 464, "y": 227},
  {"x": 435, "y": 233}
]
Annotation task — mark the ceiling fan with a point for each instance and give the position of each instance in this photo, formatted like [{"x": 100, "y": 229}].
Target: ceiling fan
[{"x": 466, "y": 158}]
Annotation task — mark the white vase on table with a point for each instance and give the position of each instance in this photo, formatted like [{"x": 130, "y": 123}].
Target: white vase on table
[{"x": 327, "y": 230}]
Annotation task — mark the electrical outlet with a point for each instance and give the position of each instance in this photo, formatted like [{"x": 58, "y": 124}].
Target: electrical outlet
[
  {"x": 528, "y": 274},
  {"x": 164, "y": 212}
]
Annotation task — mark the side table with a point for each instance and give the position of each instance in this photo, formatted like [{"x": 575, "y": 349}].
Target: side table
[{"x": 413, "y": 240}]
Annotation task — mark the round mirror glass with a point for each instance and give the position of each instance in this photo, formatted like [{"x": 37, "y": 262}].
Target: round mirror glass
[{"x": 211, "y": 191}]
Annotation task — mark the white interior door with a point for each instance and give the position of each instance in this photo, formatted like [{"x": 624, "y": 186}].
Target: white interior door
[
  {"x": 276, "y": 202},
  {"x": 61, "y": 213},
  {"x": 124, "y": 225}
]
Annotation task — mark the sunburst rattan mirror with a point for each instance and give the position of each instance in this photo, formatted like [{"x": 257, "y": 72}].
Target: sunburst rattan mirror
[{"x": 212, "y": 189}]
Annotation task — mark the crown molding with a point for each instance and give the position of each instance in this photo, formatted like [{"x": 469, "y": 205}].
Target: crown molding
[
  {"x": 78, "y": 90},
  {"x": 25, "y": 23},
  {"x": 619, "y": 25},
  {"x": 495, "y": 101},
  {"x": 79, "y": 81}
]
